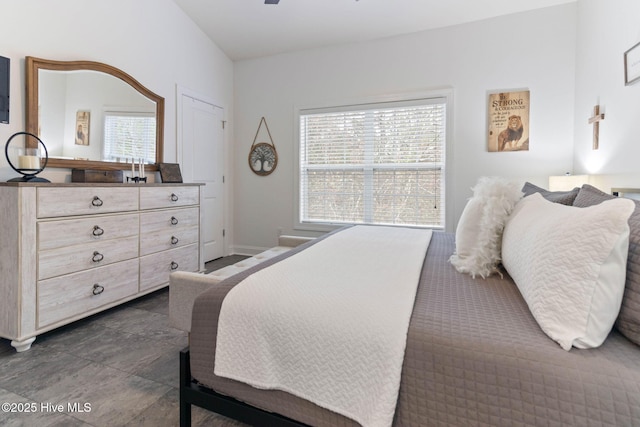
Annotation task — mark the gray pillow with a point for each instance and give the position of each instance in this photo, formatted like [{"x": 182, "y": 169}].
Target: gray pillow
[
  {"x": 589, "y": 196},
  {"x": 562, "y": 197},
  {"x": 628, "y": 322}
]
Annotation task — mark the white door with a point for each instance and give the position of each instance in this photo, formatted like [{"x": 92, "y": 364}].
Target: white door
[{"x": 200, "y": 152}]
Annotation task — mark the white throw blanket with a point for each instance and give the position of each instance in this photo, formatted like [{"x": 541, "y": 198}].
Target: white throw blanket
[{"x": 328, "y": 324}]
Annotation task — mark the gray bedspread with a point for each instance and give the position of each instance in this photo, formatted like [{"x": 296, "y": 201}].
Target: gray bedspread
[{"x": 475, "y": 357}]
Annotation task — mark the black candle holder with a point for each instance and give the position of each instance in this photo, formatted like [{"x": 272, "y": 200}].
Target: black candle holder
[
  {"x": 137, "y": 179},
  {"x": 28, "y": 172}
]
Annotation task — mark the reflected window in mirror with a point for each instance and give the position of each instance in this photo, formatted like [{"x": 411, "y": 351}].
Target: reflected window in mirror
[{"x": 129, "y": 135}]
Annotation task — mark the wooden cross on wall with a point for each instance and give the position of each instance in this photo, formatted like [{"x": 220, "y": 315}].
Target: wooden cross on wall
[{"x": 595, "y": 121}]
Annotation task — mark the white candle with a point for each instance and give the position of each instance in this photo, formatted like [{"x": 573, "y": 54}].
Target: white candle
[{"x": 28, "y": 162}]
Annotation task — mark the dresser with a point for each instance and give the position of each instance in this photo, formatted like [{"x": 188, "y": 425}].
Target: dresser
[{"x": 71, "y": 250}]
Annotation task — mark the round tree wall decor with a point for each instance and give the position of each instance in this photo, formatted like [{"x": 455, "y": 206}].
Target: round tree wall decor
[{"x": 263, "y": 157}]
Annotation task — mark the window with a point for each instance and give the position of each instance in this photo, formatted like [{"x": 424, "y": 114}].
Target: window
[
  {"x": 129, "y": 135},
  {"x": 378, "y": 163}
]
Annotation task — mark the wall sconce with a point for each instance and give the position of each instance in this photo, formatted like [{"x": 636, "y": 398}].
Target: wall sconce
[{"x": 567, "y": 182}]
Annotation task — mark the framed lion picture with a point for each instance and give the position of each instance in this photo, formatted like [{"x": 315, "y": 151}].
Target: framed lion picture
[{"x": 508, "y": 114}]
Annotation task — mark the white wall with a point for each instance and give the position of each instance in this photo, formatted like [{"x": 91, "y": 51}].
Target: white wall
[
  {"x": 606, "y": 29},
  {"x": 152, "y": 40},
  {"x": 534, "y": 50}
]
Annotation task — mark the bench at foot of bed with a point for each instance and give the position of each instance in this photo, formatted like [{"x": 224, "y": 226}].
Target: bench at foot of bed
[{"x": 185, "y": 286}]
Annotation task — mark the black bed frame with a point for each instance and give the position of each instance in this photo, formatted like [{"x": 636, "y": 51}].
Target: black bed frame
[{"x": 192, "y": 393}]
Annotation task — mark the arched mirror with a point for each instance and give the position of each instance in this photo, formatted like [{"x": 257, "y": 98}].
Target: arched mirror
[{"x": 92, "y": 115}]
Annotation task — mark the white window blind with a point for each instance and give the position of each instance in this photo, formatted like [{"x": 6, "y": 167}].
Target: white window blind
[
  {"x": 129, "y": 135},
  {"x": 374, "y": 164}
]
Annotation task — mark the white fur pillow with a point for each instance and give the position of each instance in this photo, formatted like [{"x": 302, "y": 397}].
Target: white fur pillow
[
  {"x": 569, "y": 264},
  {"x": 479, "y": 232}
]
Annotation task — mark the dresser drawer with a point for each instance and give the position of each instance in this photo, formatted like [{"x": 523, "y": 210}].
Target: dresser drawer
[
  {"x": 168, "y": 196},
  {"x": 155, "y": 269},
  {"x": 162, "y": 240},
  {"x": 69, "y": 201},
  {"x": 55, "y": 262},
  {"x": 168, "y": 220},
  {"x": 67, "y": 296},
  {"x": 69, "y": 232}
]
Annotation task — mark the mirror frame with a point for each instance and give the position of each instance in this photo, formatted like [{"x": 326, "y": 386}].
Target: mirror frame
[{"x": 33, "y": 65}]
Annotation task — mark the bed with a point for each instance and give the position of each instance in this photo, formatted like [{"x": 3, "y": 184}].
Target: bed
[{"x": 475, "y": 355}]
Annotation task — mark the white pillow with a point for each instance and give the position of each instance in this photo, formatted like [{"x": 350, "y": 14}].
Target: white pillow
[
  {"x": 569, "y": 264},
  {"x": 479, "y": 231}
]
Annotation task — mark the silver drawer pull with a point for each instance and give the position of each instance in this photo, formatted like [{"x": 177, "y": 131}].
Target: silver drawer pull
[
  {"x": 174, "y": 197},
  {"x": 97, "y": 257},
  {"x": 97, "y": 231},
  {"x": 174, "y": 265},
  {"x": 97, "y": 289},
  {"x": 97, "y": 201},
  {"x": 174, "y": 240},
  {"x": 174, "y": 220}
]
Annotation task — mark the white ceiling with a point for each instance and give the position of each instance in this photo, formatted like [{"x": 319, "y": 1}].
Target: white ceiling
[{"x": 246, "y": 29}]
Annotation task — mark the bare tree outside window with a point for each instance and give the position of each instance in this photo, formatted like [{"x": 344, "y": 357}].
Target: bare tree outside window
[{"x": 383, "y": 165}]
